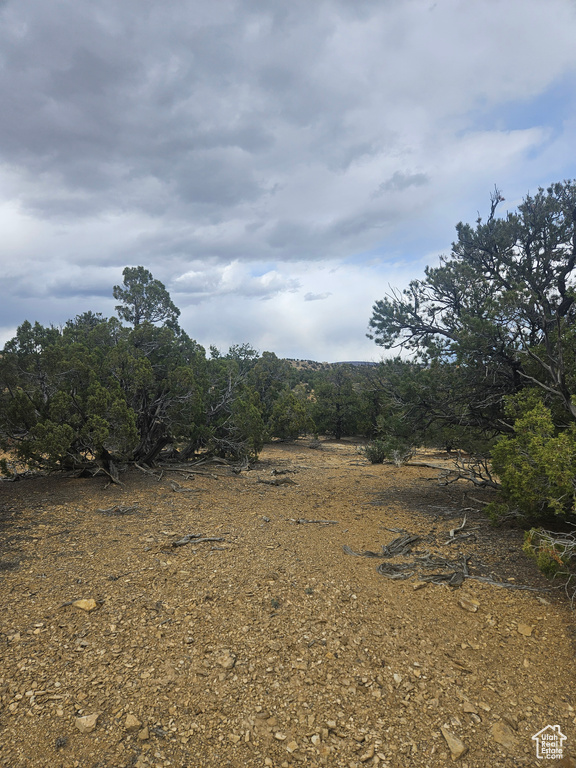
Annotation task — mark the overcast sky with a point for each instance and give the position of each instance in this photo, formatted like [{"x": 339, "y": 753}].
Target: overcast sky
[{"x": 278, "y": 164}]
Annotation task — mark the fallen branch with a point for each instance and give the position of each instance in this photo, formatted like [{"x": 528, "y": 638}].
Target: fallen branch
[
  {"x": 395, "y": 571},
  {"x": 400, "y": 546},
  {"x": 112, "y": 474},
  {"x": 453, "y": 538},
  {"x": 148, "y": 471},
  {"x": 189, "y": 472},
  {"x": 196, "y": 538},
  {"x": 429, "y": 464},
  {"x": 276, "y": 481},
  {"x": 302, "y": 521},
  {"x": 454, "y": 574}
]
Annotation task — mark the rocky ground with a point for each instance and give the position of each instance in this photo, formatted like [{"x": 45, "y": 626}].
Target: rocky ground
[{"x": 269, "y": 645}]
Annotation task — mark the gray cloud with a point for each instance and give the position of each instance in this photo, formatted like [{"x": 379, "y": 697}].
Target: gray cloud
[
  {"x": 400, "y": 181},
  {"x": 229, "y": 146},
  {"x": 316, "y": 296}
]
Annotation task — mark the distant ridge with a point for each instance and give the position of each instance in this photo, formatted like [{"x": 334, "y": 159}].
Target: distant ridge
[
  {"x": 315, "y": 365},
  {"x": 355, "y": 362}
]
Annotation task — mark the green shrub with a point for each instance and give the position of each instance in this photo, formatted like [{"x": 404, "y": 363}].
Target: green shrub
[
  {"x": 388, "y": 449},
  {"x": 376, "y": 452},
  {"x": 536, "y": 466}
]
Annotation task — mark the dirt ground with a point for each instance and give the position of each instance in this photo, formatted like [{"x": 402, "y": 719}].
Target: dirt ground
[{"x": 271, "y": 646}]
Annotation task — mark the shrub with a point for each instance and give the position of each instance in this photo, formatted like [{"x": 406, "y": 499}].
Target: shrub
[
  {"x": 389, "y": 449},
  {"x": 375, "y": 452},
  {"x": 536, "y": 467}
]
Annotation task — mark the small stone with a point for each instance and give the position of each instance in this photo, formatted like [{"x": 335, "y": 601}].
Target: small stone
[
  {"x": 368, "y": 755},
  {"x": 504, "y": 735},
  {"x": 525, "y": 629},
  {"x": 144, "y": 734},
  {"x": 292, "y": 746},
  {"x": 280, "y": 736},
  {"x": 87, "y": 723},
  {"x": 469, "y": 604},
  {"x": 86, "y": 605},
  {"x": 455, "y": 745},
  {"x": 226, "y": 660},
  {"x": 131, "y": 723},
  {"x": 419, "y": 585},
  {"x": 234, "y": 738},
  {"x": 316, "y": 740}
]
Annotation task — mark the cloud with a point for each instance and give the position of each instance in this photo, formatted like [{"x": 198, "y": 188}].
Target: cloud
[
  {"x": 234, "y": 147},
  {"x": 400, "y": 181},
  {"x": 316, "y": 296},
  {"x": 233, "y": 279}
]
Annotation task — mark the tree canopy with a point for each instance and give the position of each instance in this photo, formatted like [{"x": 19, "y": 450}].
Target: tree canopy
[
  {"x": 501, "y": 307},
  {"x": 494, "y": 321},
  {"x": 97, "y": 393},
  {"x": 144, "y": 299}
]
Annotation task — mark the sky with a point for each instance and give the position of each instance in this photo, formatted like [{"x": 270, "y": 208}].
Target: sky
[{"x": 279, "y": 166}]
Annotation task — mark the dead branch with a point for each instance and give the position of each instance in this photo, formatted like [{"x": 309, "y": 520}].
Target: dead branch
[
  {"x": 196, "y": 538},
  {"x": 277, "y": 481},
  {"x": 148, "y": 471}
]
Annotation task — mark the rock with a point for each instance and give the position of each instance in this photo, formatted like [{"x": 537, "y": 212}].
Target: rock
[
  {"x": 280, "y": 736},
  {"x": 132, "y": 723},
  {"x": 144, "y": 734},
  {"x": 504, "y": 735},
  {"x": 226, "y": 660},
  {"x": 419, "y": 585},
  {"x": 470, "y": 708},
  {"x": 292, "y": 746},
  {"x": 469, "y": 604},
  {"x": 87, "y": 605},
  {"x": 525, "y": 629},
  {"x": 368, "y": 755},
  {"x": 87, "y": 723},
  {"x": 455, "y": 745}
]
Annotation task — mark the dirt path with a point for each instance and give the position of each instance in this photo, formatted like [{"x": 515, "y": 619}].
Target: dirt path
[{"x": 271, "y": 647}]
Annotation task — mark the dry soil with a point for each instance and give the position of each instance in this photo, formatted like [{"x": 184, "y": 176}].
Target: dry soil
[{"x": 270, "y": 646}]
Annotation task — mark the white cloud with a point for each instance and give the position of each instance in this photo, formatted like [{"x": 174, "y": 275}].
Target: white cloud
[
  {"x": 245, "y": 151},
  {"x": 235, "y": 278}
]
